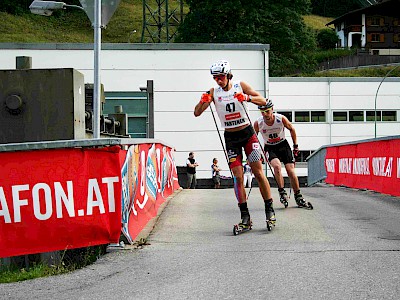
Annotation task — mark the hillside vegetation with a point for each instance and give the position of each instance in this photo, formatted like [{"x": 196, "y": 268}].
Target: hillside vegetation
[{"x": 125, "y": 26}]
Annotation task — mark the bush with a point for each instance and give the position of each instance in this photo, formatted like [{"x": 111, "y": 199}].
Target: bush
[
  {"x": 325, "y": 55},
  {"x": 327, "y": 39}
]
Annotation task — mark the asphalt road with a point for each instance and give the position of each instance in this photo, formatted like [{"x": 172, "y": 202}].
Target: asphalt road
[{"x": 348, "y": 247}]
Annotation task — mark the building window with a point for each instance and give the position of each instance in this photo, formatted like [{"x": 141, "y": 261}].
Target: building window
[
  {"x": 356, "y": 116},
  {"x": 318, "y": 116},
  {"x": 389, "y": 116},
  {"x": 302, "y": 116},
  {"x": 377, "y": 21},
  {"x": 370, "y": 116},
  {"x": 396, "y": 37},
  {"x": 340, "y": 116},
  {"x": 375, "y": 37},
  {"x": 287, "y": 114}
]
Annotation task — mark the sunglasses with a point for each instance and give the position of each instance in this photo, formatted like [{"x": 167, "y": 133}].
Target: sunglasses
[
  {"x": 219, "y": 77},
  {"x": 265, "y": 110}
]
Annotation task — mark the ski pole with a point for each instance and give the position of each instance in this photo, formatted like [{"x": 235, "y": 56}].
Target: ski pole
[
  {"x": 235, "y": 188},
  {"x": 262, "y": 149}
]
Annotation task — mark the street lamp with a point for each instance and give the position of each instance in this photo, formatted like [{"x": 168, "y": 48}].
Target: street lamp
[
  {"x": 376, "y": 95},
  {"x": 46, "y": 8}
]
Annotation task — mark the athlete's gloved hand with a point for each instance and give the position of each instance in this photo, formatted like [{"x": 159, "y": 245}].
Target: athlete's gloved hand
[
  {"x": 206, "y": 98},
  {"x": 296, "y": 150},
  {"x": 242, "y": 97}
]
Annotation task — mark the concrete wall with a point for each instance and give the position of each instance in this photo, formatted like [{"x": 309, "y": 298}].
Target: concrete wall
[{"x": 181, "y": 74}]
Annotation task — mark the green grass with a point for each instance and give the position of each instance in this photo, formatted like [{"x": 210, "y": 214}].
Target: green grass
[
  {"x": 316, "y": 22},
  {"x": 72, "y": 26},
  {"x": 71, "y": 260},
  {"x": 361, "y": 72}
]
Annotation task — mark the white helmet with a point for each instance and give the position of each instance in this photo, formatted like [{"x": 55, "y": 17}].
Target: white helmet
[{"x": 221, "y": 67}]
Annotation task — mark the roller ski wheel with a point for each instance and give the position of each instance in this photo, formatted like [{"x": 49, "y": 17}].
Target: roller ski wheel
[
  {"x": 240, "y": 228},
  {"x": 270, "y": 224},
  {"x": 306, "y": 205},
  {"x": 285, "y": 203},
  {"x": 283, "y": 198}
]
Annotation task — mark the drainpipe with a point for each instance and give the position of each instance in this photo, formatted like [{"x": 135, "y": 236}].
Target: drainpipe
[
  {"x": 363, "y": 32},
  {"x": 330, "y": 113}
]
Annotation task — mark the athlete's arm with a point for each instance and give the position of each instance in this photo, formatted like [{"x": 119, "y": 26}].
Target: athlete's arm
[
  {"x": 256, "y": 129},
  {"x": 202, "y": 105},
  {"x": 256, "y": 98},
  {"x": 291, "y": 129}
]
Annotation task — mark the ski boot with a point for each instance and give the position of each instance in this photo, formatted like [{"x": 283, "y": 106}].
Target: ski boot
[
  {"x": 245, "y": 224},
  {"x": 301, "y": 202},
  {"x": 283, "y": 197},
  {"x": 269, "y": 214}
]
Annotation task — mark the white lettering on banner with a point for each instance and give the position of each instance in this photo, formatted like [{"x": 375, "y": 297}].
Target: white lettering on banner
[
  {"x": 4, "y": 207},
  {"x": 41, "y": 197},
  {"x": 110, "y": 188},
  {"x": 361, "y": 166},
  {"x": 17, "y": 202},
  {"x": 94, "y": 187},
  {"x": 61, "y": 196},
  {"x": 345, "y": 165},
  {"x": 330, "y": 165},
  {"x": 398, "y": 167},
  {"x": 380, "y": 168},
  {"x": 47, "y": 201}
]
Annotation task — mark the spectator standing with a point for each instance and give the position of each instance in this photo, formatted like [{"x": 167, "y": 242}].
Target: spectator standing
[
  {"x": 215, "y": 174},
  {"x": 247, "y": 174},
  {"x": 191, "y": 165}
]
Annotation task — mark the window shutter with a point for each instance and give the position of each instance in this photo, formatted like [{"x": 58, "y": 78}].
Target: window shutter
[
  {"x": 381, "y": 37},
  {"x": 369, "y": 37},
  {"x": 381, "y": 21},
  {"x": 369, "y": 21}
]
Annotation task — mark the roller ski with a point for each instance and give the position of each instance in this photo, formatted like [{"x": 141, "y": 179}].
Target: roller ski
[
  {"x": 301, "y": 202},
  {"x": 269, "y": 214},
  {"x": 283, "y": 197},
  {"x": 246, "y": 223}
]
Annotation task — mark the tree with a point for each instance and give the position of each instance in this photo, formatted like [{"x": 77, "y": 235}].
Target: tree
[
  {"x": 327, "y": 39},
  {"x": 278, "y": 23}
]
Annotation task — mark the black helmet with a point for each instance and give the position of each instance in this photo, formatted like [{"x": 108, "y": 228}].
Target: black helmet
[{"x": 267, "y": 105}]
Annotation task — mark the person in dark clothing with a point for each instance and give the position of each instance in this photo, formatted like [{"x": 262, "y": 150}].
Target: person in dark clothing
[{"x": 191, "y": 165}]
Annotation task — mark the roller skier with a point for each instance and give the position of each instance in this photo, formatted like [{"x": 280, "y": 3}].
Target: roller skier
[
  {"x": 230, "y": 99},
  {"x": 272, "y": 126}
]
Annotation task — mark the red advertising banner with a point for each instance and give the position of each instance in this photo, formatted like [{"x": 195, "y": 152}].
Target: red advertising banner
[
  {"x": 149, "y": 176},
  {"x": 59, "y": 199},
  {"x": 370, "y": 165}
]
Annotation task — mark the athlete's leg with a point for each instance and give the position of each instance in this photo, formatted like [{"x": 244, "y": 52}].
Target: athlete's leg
[
  {"x": 294, "y": 181},
  {"x": 238, "y": 185},
  {"x": 263, "y": 183},
  {"x": 277, "y": 166}
]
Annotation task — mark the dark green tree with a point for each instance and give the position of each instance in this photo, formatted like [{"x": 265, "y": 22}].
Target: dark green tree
[
  {"x": 327, "y": 39},
  {"x": 278, "y": 23}
]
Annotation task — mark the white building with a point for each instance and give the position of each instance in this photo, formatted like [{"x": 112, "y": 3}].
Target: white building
[{"x": 323, "y": 110}]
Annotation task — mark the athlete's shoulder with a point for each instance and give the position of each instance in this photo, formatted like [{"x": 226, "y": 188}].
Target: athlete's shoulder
[
  {"x": 278, "y": 117},
  {"x": 236, "y": 84}
]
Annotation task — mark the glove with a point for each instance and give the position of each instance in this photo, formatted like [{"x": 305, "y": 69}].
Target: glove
[
  {"x": 242, "y": 97},
  {"x": 206, "y": 98},
  {"x": 296, "y": 150}
]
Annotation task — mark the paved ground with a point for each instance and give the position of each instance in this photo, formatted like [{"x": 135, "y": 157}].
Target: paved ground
[{"x": 348, "y": 247}]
